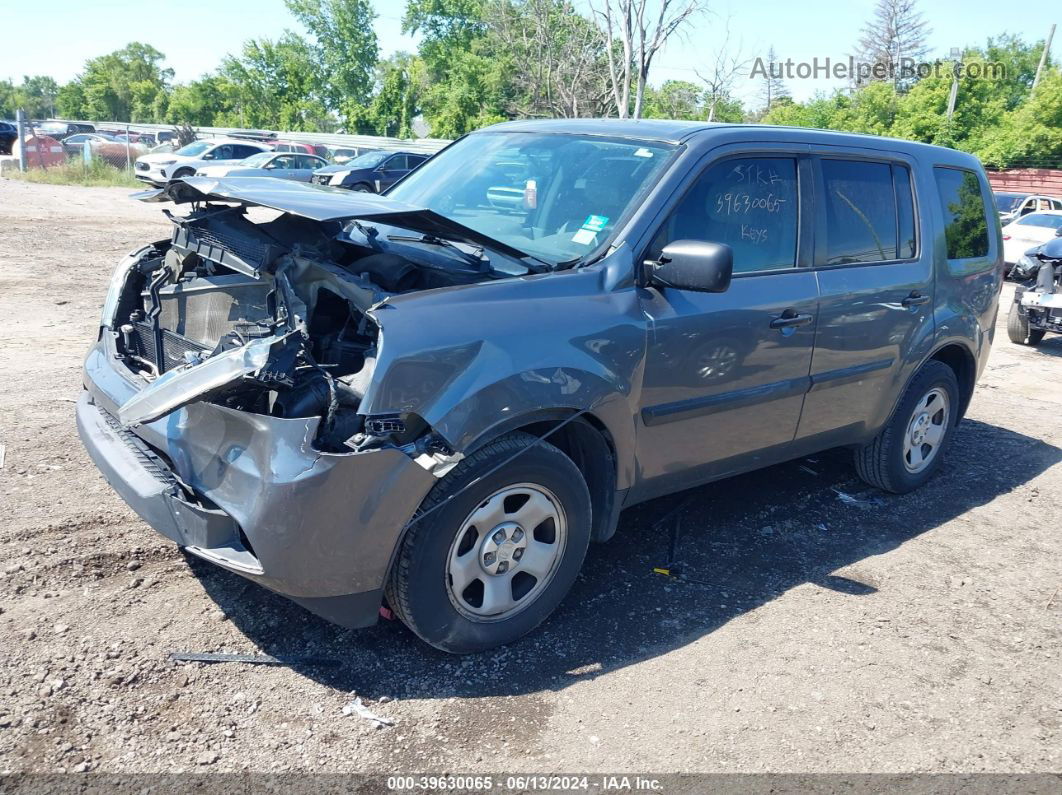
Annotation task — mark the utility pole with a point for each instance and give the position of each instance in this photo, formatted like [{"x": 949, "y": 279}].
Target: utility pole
[
  {"x": 954, "y": 93},
  {"x": 20, "y": 120},
  {"x": 1043, "y": 56}
]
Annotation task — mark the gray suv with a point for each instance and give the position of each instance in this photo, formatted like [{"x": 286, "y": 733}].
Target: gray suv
[{"x": 434, "y": 399}]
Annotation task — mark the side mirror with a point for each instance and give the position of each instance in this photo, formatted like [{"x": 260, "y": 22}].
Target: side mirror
[
  {"x": 693, "y": 265},
  {"x": 1058, "y": 232}
]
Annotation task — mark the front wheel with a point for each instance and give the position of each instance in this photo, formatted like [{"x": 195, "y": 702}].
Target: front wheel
[
  {"x": 911, "y": 446},
  {"x": 496, "y": 551},
  {"x": 1018, "y": 328}
]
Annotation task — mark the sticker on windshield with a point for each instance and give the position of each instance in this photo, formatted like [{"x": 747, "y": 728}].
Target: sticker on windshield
[
  {"x": 595, "y": 223},
  {"x": 584, "y": 237},
  {"x": 642, "y": 152}
]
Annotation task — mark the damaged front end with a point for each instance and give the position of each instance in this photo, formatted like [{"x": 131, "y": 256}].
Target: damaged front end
[
  {"x": 274, "y": 317},
  {"x": 224, "y": 396}
]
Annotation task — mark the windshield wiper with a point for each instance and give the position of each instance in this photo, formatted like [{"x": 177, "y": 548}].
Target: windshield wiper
[{"x": 478, "y": 261}]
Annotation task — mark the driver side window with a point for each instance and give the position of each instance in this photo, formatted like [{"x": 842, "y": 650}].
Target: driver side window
[{"x": 748, "y": 203}]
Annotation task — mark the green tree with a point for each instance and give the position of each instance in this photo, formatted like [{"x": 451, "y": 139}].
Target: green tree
[
  {"x": 396, "y": 101},
  {"x": 115, "y": 86},
  {"x": 275, "y": 85},
  {"x": 36, "y": 95},
  {"x": 346, "y": 50},
  {"x": 466, "y": 85},
  {"x": 1032, "y": 134},
  {"x": 675, "y": 99}
]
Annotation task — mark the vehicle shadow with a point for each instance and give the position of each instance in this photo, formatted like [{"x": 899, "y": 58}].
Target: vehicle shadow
[
  {"x": 743, "y": 542},
  {"x": 1051, "y": 345}
]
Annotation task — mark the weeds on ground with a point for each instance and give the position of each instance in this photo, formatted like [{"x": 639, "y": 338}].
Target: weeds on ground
[{"x": 74, "y": 172}]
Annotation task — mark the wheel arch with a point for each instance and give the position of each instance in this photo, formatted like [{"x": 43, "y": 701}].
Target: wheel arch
[
  {"x": 587, "y": 441},
  {"x": 963, "y": 363}
]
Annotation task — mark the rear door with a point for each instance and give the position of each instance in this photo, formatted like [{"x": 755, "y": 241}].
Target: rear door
[
  {"x": 875, "y": 291},
  {"x": 726, "y": 373}
]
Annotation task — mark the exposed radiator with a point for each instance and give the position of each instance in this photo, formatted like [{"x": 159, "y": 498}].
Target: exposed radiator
[{"x": 207, "y": 308}]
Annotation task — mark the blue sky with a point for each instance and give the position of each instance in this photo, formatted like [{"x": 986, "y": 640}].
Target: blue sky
[{"x": 195, "y": 34}]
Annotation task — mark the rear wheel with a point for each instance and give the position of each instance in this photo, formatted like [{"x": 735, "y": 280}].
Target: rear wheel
[
  {"x": 1018, "y": 328},
  {"x": 910, "y": 448},
  {"x": 498, "y": 551}
]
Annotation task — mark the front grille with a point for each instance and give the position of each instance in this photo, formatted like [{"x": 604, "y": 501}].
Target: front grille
[
  {"x": 174, "y": 346},
  {"x": 321, "y": 179}
]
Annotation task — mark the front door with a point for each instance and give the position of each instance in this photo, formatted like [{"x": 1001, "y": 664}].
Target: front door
[{"x": 726, "y": 373}]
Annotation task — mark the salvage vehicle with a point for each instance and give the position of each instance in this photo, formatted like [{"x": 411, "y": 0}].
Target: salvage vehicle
[
  {"x": 427, "y": 401},
  {"x": 158, "y": 168},
  {"x": 372, "y": 172},
  {"x": 1028, "y": 232},
  {"x": 1012, "y": 206},
  {"x": 280, "y": 165},
  {"x": 1037, "y": 306}
]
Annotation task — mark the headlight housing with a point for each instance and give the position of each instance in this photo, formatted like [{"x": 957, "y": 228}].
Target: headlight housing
[{"x": 338, "y": 177}]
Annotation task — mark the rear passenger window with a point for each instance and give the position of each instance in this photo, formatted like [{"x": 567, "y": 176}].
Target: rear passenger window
[
  {"x": 869, "y": 212},
  {"x": 750, "y": 204},
  {"x": 963, "y": 207}
]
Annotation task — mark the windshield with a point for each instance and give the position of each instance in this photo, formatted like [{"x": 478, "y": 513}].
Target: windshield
[
  {"x": 1008, "y": 202},
  {"x": 556, "y": 197},
  {"x": 1041, "y": 219},
  {"x": 194, "y": 148},
  {"x": 368, "y": 160},
  {"x": 259, "y": 159}
]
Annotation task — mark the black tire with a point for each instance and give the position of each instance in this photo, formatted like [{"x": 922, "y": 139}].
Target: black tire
[
  {"x": 1018, "y": 328},
  {"x": 362, "y": 187},
  {"x": 881, "y": 463},
  {"x": 183, "y": 172},
  {"x": 418, "y": 589}
]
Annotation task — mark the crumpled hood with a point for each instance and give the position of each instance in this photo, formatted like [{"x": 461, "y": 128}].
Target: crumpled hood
[{"x": 320, "y": 203}]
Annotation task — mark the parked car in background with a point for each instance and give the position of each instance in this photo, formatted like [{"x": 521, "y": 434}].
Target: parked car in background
[
  {"x": 159, "y": 168},
  {"x": 372, "y": 172},
  {"x": 341, "y": 154},
  {"x": 1013, "y": 205},
  {"x": 427, "y": 399},
  {"x": 60, "y": 129},
  {"x": 73, "y": 145},
  {"x": 1028, "y": 231},
  {"x": 282, "y": 165},
  {"x": 8, "y": 136}
]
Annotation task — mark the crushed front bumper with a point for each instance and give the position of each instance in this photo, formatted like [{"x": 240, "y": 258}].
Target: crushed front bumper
[{"x": 250, "y": 493}]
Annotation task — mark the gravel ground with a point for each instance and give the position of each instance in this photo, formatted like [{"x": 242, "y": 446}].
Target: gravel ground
[{"x": 898, "y": 634}]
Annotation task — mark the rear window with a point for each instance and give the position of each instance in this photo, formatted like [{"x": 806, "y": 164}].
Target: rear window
[
  {"x": 869, "y": 212},
  {"x": 963, "y": 208}
]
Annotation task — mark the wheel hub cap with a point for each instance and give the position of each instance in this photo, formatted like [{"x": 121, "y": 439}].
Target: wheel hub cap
[
  {"x": 506, "y": 552},
  {"x": 502, "y": 548},
  {"x": 926, "y": 430}
]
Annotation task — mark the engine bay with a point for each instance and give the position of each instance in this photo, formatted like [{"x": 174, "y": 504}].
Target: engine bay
[{"x": 273, "y": 316}]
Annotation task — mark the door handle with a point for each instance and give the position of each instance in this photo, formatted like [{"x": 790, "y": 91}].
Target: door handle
[
  {"x": 915, "y": 299},
  {"x": 791, "y": 319}
]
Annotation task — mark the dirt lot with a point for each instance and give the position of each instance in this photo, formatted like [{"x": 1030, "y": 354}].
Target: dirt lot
[{"x": 916, "y": 633}]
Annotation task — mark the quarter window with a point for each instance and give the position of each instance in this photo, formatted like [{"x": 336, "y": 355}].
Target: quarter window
[
  {"x": 963, "y": 207},
  {"x": 869, "y": 212},
  {"x": 750, "y": 204}
]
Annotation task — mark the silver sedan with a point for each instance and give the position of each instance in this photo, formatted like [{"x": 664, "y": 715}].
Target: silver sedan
[{"x": 282, "y": 165}]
